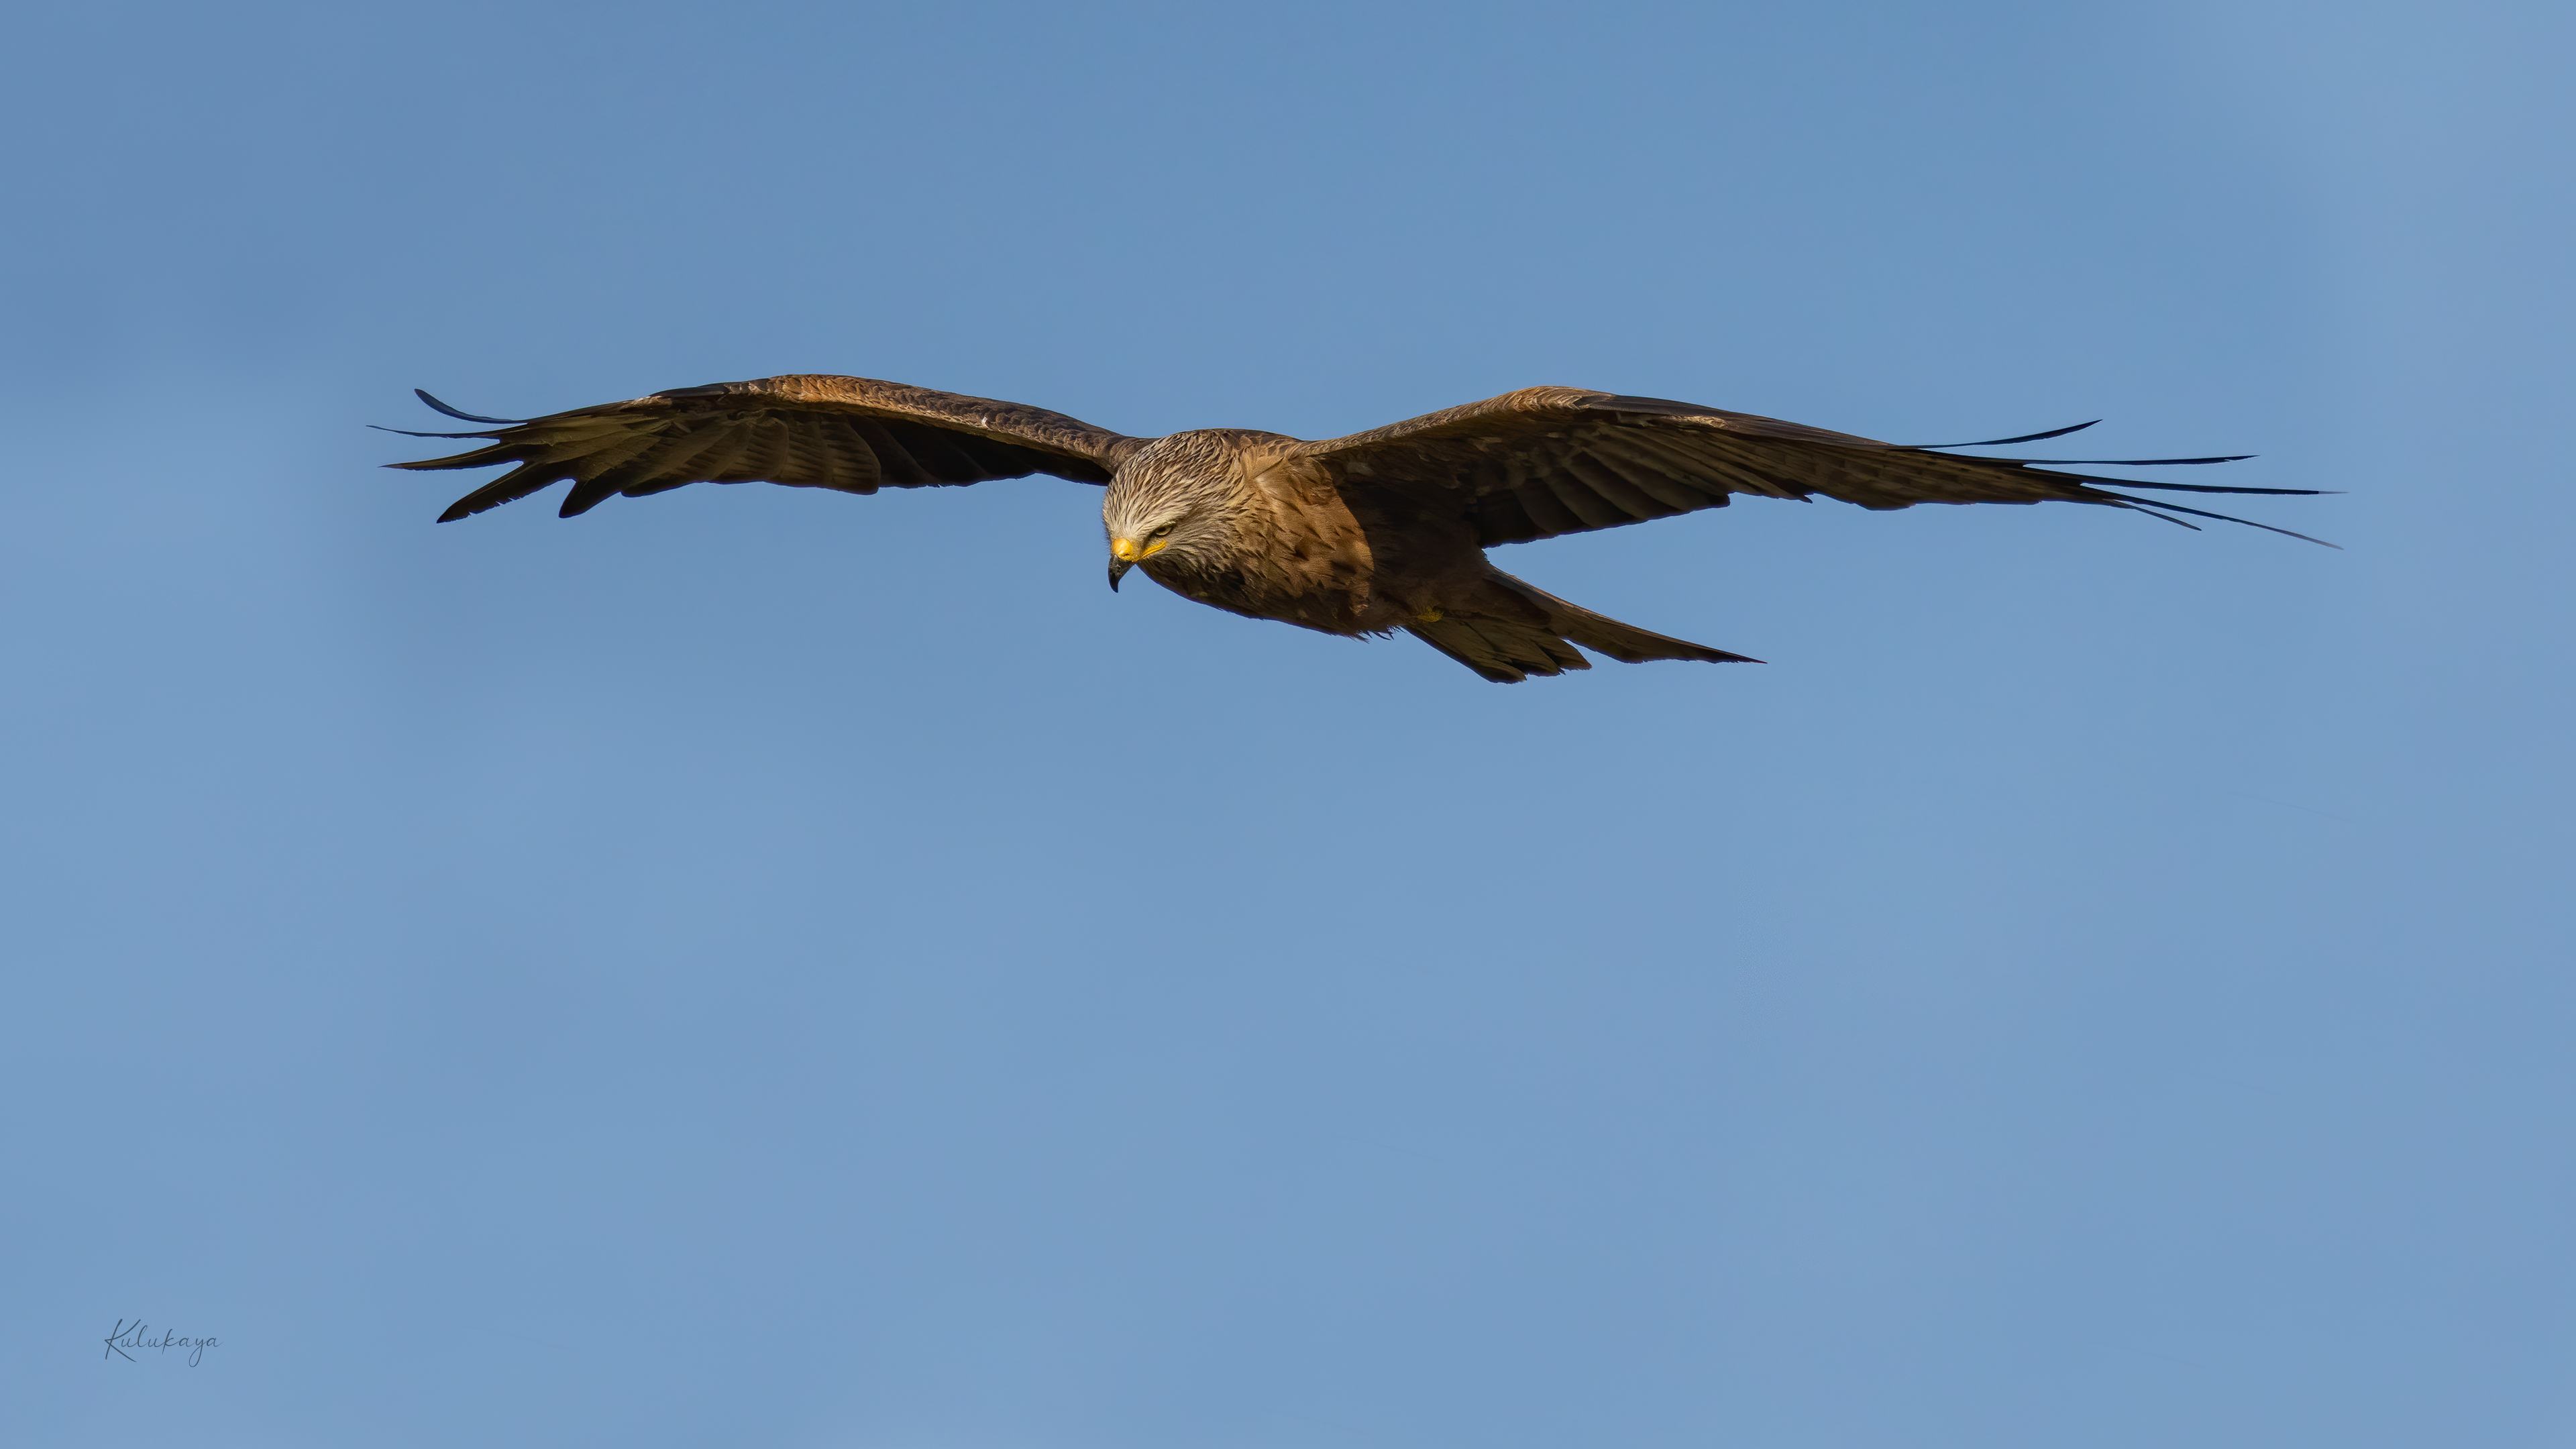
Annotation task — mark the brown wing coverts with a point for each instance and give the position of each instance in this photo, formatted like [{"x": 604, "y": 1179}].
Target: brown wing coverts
[
  {"x": 852, "y": 434},
  {"x": 1546, "y": 461}
]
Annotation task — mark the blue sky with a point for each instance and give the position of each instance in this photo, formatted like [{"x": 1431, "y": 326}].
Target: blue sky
[{"x": 756, "y": 966}]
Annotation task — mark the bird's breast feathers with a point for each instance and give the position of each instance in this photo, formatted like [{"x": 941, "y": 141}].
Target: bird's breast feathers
[{"x": 1296, "y": 555}]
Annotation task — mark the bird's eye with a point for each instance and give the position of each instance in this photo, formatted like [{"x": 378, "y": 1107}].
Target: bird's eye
[{"x": 1163, "y": 532}]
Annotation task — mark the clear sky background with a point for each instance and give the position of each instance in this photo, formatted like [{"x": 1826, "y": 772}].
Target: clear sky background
[{"x": 763, "y": 967}]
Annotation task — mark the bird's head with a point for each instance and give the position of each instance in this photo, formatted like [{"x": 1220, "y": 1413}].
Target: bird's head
[
  {"x": 1132, "y": 544},
  {"x": 1172, "y": 503}
]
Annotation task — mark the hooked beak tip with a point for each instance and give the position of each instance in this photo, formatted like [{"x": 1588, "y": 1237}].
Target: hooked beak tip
[{"x": 1118, "y": 568}]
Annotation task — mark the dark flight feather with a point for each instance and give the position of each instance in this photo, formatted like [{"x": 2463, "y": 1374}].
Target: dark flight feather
[
  {"x": 2002, "y": 442},
  {"x": 468, "y": 417},
  {"x": 2117, "y": 462},
  {"x": 2152, "y": 504}
]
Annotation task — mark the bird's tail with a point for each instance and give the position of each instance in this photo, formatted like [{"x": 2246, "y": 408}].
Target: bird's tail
[{"x": 1531, "y": 631}]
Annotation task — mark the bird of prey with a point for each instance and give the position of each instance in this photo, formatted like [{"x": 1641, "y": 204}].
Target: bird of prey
[{"x": 1357, "y": 536}]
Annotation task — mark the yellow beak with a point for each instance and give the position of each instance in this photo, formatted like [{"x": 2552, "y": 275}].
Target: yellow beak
[{"x": 1124, "y": 553}]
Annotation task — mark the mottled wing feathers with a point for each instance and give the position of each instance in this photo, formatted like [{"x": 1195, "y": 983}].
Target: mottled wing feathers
[
  {"x": 853, "y": 434},
  {"x": 1546, "y": 461}
]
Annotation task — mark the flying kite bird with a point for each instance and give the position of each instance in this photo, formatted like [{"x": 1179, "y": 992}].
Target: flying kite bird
[{"x": 1361, "y": 535}]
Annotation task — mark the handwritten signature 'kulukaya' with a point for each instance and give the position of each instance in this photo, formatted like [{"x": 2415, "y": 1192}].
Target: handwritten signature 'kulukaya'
[{"x": 124, "y": 1338}]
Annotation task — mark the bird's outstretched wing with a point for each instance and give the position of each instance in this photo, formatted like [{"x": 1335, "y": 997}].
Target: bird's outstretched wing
[
  {"x": 1546, "y": 461},
  {"x": 854, "y": 434}
]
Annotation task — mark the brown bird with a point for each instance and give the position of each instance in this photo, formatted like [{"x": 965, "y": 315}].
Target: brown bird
[{"x": 1362, "y": 535}]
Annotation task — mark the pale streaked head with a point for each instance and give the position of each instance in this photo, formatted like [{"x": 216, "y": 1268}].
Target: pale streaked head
[{"x": 1174, "y": 500}]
